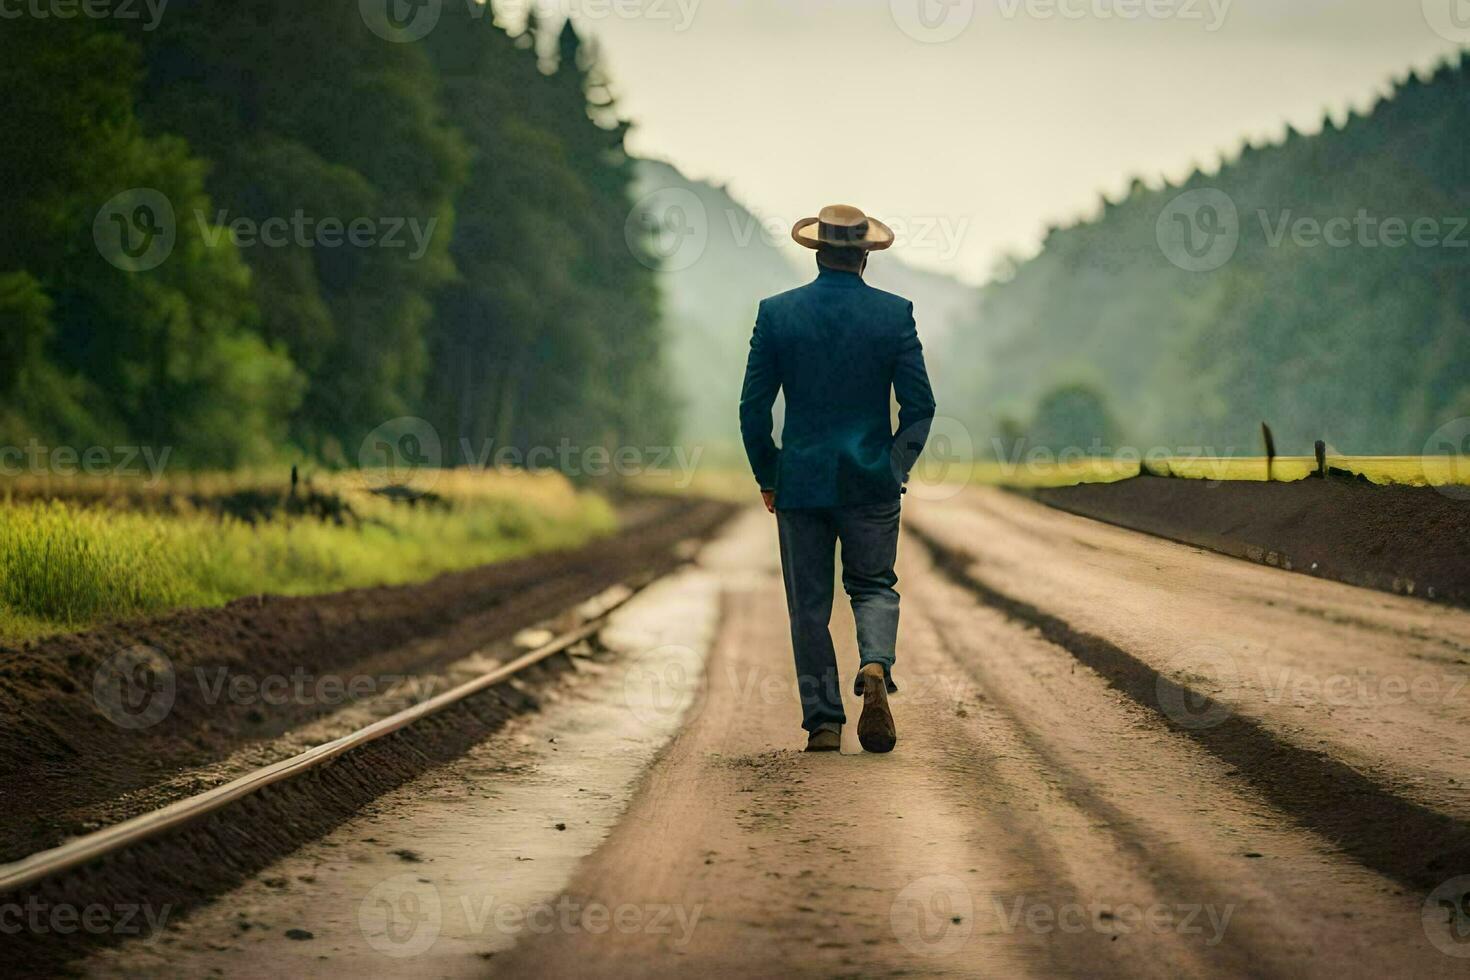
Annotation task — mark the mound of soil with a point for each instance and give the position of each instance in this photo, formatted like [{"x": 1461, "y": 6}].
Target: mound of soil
[
  {"x": 61, "y": 752},
  {"x": 252, "y": 505},
  {"x": 1410, "y": 540}
]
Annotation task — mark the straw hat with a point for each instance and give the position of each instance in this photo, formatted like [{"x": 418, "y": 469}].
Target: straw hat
[{"x": 844, "y": 226}]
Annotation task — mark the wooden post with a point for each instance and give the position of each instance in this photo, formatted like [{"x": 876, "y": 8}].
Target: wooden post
[
  {"x": 1270, "y": 449},
  {"x": 1321, "y": 459}
]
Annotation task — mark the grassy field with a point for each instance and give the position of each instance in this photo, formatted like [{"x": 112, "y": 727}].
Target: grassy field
[{"x": 77, "y": 551}]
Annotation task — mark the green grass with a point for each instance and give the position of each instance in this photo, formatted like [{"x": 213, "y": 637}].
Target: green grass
[{"x": 65, "y": 565}]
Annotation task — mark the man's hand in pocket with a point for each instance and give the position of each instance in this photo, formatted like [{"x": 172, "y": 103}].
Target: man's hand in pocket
[{"x": 768, "y": 497}]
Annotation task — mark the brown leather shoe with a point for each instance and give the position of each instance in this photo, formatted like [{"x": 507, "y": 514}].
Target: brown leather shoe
[
  {"x": 824, "y": 740},
  {"x": 875, "y": 727}
]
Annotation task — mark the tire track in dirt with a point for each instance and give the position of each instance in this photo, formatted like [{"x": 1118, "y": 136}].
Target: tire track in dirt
[
  {"x": 1259, "y": 895},
  {"x": 1412, "y": 844},
  {"x": 1391, "y": 700}
]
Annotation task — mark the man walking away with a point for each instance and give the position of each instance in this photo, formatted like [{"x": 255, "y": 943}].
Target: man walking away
[{"x": 837, "y": 347}]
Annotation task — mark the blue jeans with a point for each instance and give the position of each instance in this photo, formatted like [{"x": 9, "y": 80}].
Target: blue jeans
[{"x": 869, "y": 536}]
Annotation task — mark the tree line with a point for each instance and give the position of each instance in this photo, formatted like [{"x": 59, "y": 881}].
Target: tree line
[
  {"x": 1319, "y": 283},
  {"x": 352, "y": 230}
]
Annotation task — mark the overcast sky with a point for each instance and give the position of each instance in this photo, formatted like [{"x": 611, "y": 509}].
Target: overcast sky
[{"x": 973, "y": 142}]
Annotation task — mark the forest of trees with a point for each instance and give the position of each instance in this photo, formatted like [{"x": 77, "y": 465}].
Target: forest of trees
[
  {"x": 1364, "y": 343},
  {"x": 519, "y": 313}
]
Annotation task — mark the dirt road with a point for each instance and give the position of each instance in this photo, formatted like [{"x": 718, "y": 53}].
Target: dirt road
[{"x": 1044, "y": 814}]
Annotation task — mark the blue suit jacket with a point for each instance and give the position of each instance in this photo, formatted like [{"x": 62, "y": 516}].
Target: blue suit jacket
[{"x": 837, "y": 347}]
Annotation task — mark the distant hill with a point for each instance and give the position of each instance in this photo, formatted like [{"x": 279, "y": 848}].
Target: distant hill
[
  {"x": 1321, "y": 284},
  {"x": 719, "y": 262}
]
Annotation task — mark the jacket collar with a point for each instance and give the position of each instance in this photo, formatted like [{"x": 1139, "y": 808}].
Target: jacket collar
[{"x": 828, "y": 276}]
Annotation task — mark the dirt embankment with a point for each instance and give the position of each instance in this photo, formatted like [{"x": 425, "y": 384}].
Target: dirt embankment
[
  {"x": 294, "y": 659},
  {"x": 1409, "y": 540}
]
